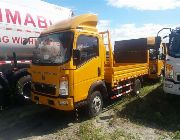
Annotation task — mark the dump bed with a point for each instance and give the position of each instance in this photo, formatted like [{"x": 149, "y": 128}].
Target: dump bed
[
  {"x": 123, "y": 71},
  {"x": 131, "y": 60}
]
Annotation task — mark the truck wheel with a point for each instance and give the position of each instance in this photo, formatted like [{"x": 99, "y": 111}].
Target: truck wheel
[
  {"x": 95, "y": 104},
  {"x": 23, "y": 86},
  {"x": 137, "y": 87}
]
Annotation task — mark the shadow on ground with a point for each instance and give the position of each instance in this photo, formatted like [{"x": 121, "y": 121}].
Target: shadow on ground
[
  {"x": 33, "y": 120},
  {"x": 155, "y": 110}
]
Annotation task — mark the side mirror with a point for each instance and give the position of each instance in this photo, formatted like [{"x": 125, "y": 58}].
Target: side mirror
[
  {"x": 76, "y": 56},
  {"x": 25, "y": 41}
]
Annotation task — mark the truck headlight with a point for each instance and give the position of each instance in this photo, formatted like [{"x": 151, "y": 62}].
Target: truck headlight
[
  {"x": 63, "y": 88},
  {"x": 169, "y": 72}
]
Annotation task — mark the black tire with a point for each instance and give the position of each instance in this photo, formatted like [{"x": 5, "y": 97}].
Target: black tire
[
  {"x": 137, "y": 87},
  {"x": 95, "y": 104},
  {"x": 23, "y": 89}
]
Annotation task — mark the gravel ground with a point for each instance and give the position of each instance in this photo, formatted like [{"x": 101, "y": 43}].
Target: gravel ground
[{"x": 127, "y": 118}]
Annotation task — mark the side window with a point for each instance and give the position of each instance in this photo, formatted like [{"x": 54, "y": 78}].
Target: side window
[{"x": 88, "y": 46}]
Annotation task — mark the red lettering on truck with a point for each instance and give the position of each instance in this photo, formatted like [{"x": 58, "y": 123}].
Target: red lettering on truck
[
  {"x": 29, "y": 20},
  {"x": 42, "y": 22},
  {"x": 31, "y": 41},
  {"x": 5, "y": 39},
  {"x": 14, "y": 18},
  {"x": 16, "y": 40}
]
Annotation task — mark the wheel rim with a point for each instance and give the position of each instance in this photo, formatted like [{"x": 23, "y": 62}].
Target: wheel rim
[
  {"x": 24, "y": 89},
  {"x": 96, "y": 104}
]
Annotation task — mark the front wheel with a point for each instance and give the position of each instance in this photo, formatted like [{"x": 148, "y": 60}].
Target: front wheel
[{"x": 95, "y": 104}]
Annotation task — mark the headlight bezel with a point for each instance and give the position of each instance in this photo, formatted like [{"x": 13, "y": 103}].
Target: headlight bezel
[{"x": 64, "y": 86}]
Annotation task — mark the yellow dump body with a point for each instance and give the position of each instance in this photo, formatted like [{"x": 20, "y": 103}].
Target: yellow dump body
[{"x": 121, "y": 72}]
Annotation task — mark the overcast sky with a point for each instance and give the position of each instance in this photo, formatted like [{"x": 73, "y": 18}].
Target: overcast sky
[{"x": 128, "y": 19}]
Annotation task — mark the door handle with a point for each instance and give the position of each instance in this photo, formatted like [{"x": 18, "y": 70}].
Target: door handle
[{"x": 99, "y": 71}]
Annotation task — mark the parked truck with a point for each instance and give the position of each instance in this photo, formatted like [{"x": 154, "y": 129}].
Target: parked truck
[
  {"x": 21, "y": 19},
  {"x": 171, "y": 83},
  {"x": 156, "y": 59},
  {"x": 71, "y": 66}
]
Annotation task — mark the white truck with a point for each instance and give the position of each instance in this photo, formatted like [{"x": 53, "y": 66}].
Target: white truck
[
  {"x": 171, "y": 81},
  {"x": 20, "y": 19}
]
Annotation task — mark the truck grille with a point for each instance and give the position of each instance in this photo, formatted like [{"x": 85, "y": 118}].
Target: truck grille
[
  {"x": 178, "y": 77},
  {"x": 45, "y": 88}
]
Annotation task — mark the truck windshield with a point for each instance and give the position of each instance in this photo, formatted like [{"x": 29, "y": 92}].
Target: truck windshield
[
  {"x": 53, "y": 48},
  {"x": 174, "y": 47}
]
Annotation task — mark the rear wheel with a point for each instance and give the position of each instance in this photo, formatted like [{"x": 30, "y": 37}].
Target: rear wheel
[
  {"x": 137, "y": 87},
  {"x": 95, "y": 104}
]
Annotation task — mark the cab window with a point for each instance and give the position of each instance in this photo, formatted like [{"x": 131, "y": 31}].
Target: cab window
[{"x": 88, "y": 46}]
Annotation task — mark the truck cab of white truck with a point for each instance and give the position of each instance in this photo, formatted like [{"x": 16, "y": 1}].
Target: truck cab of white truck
[{"x": 171, "y": 83}]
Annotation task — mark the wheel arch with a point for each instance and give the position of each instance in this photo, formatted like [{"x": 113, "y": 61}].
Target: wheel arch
[
  {"x": 20, "y": 73},
  {"x": 99, "y": 86}
]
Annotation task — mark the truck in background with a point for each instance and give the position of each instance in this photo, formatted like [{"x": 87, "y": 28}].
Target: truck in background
[
  {"x": 71, "y": 67},
  {"x": 19, "y": 20},
  {"x": 171, "y": 83},
  {"x": 157, "y": 62}
]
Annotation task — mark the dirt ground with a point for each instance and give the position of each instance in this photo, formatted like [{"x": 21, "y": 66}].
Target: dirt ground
[{"x": 149, "y": 116}]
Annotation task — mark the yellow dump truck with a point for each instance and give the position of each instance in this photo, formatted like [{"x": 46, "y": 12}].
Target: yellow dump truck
[{"x": 71, "y": 67}]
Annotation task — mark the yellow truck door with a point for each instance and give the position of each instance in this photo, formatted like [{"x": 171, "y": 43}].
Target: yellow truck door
[{"x": 88, "y": 69}]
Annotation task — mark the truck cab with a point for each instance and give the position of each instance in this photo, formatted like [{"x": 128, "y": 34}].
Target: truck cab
[
  {"x": 156, "y": 59},
  {"x": 172, "y": 64},
  {"x": 67, "y": 62}
]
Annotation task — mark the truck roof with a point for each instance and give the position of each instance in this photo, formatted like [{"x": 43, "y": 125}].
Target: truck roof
[{"x": 85, "y": 21}]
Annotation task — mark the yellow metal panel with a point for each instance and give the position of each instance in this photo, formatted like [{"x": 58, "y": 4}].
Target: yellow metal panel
[
  {"x": 86, "y": 20},
  {"x": 52, "y": 75},
  {"x": 125, "y": 71},
  {"x": 44, "y": 100},
  {"x": 84, "y": 77}
]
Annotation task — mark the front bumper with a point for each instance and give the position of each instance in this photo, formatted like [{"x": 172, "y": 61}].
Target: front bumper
[
  {"x": 171, "y": 87},
  {"x": 54, "y": 102}
]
